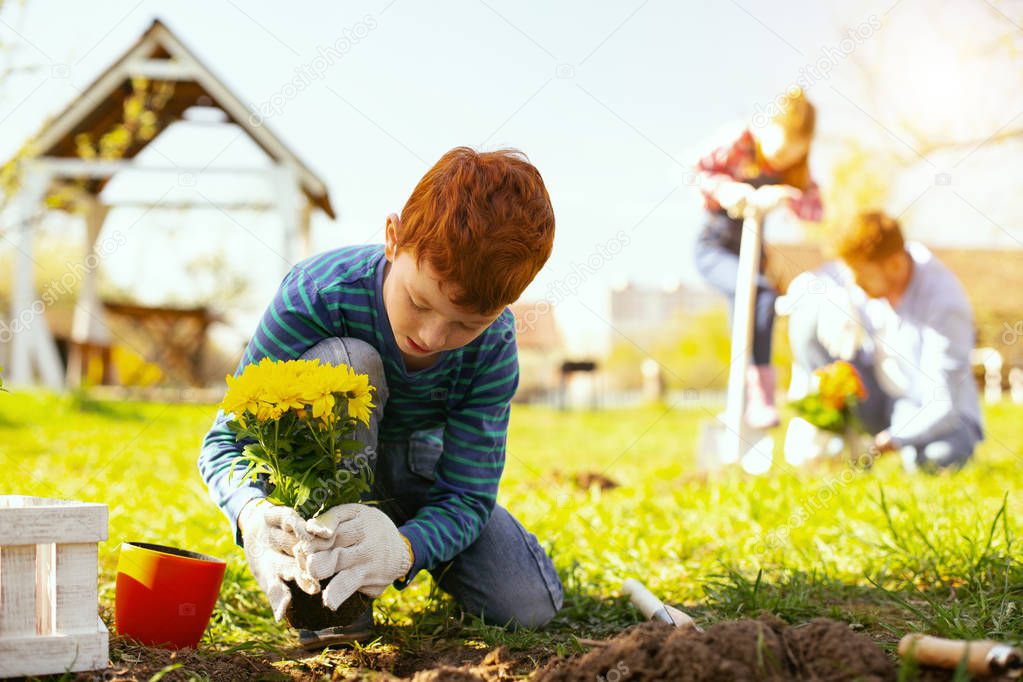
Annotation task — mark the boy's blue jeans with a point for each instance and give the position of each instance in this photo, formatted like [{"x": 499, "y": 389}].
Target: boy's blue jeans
[{"x": 504, "y": 576}]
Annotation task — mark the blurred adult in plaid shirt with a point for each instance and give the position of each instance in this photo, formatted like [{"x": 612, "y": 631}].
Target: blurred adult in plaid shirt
[{"x": 761, "y": 165}]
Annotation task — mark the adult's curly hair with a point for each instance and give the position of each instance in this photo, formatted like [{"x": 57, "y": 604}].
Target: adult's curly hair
[{"x": 872, "y": 237}]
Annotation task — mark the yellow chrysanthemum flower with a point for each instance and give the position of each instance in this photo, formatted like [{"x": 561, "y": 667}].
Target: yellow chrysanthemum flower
[
  {"x": 360, "y": 405},
  {"x": 839, "y": 382},
  {"x": 268, "y": 389}
]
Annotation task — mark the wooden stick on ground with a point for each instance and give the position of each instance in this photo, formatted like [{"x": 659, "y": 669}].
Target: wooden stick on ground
[
  {"x": 654, "y": 609},
  {"x": 984, "y": 658},
  {"x": 592, "y": 642}
]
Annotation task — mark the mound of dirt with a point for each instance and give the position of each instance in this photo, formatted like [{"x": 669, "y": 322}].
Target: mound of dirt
[
  {"x": 767, "y": 649},
  {"x": 764, "y": 649},
  {"x": 586, "y": 479}
]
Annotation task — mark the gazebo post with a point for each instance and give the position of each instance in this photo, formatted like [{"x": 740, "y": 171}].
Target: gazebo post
[
  {"x": 294, "y": 224},
  {"x": 304, "y": 232},
  {"x": 31, "y": 340},
  {"x": 89, "y": 332}
]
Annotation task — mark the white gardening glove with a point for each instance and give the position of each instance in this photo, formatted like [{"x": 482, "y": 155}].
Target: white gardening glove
[
  {"x": 888, "y": 364},
  {"x": 358, "y": 545},
  {"x": 269, "y": 534},
  {"x": 768, "y": 197},
  {"x": 732, "y": 196},
  {"x": 839, "y": 327}
]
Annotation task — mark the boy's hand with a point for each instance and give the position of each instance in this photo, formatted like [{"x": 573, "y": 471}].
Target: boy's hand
[
  {"x": 269, "y": 534},
  {"x": 358, "y": 545},
  {"x": 281, "y": 526}
]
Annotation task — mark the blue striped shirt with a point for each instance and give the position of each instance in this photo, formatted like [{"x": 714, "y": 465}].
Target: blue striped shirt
[{"x": 467, "y": 391}]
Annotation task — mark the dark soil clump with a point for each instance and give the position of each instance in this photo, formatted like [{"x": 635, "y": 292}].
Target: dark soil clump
[
  {"x": 828, "y": 650},
  {"x": 307, "y": 611},
  {"x": 584, "y": 480}
]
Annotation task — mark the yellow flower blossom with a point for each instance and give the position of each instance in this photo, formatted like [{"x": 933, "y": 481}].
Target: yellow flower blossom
[
  {"x": 359, "y": 406},
  {"x": 267, "y": 390},
  {"x": 839, "y": 382}
]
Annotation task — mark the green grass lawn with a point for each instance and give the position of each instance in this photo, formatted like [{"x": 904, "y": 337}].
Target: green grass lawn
[{"x": 884, "y": 551}]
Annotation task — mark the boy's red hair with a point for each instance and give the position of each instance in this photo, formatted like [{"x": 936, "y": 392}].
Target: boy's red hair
[{"x": 484, "y": 222}]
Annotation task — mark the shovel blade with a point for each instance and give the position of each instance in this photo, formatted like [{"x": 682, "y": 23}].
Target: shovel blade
[{"x": 716, "y": 448}]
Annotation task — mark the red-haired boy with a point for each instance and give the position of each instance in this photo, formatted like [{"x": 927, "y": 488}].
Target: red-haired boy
[{"x": 425, "y": 315}]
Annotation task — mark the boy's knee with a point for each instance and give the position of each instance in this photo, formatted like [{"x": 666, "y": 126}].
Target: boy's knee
[
  {"x": 531, "y": 609},
  {"x": 357, "y": 354},
  {"x": 946, "y": 453}
]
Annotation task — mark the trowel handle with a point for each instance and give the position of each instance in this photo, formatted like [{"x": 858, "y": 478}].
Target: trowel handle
[
  {"x": 653, "y": 608},
  {"x": 983, "y": 657},
  {"x": 642, "y": 598}
]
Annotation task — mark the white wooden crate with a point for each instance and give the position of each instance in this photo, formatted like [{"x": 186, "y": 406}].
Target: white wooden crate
[{"x": 49, "y": 589}]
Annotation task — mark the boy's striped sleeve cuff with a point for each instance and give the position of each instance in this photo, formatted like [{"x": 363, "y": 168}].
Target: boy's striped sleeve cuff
[
  {"x": 233, "y": 505},
  {"x": 419, "y": 554}
]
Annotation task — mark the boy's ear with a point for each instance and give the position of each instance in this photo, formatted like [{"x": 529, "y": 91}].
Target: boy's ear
[{"x": 391, "y": 236}]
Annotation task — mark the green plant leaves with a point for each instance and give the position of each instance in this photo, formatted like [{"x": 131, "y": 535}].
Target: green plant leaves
[
  {"x": 308, "y": 463},
  {"x": 813, "y": 409}
]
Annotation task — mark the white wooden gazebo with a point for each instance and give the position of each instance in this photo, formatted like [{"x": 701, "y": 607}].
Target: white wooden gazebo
[{"x": 53, "y": 161}]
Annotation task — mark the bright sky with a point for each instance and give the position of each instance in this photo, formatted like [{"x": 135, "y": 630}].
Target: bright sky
[{"x": 608, "y": 99}]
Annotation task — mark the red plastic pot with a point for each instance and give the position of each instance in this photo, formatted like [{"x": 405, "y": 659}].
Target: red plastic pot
[{"x": 165, "y": 596}]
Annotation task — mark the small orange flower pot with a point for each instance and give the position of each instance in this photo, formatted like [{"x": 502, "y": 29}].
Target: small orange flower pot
[{"x": 165, "y": 596}]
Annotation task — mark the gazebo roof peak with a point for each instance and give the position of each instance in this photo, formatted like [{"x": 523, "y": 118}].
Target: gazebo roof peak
[{"x": 160, "y": 56}]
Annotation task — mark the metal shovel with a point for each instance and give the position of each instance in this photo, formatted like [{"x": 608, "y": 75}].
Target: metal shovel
[{"x": 727, "y": 439}]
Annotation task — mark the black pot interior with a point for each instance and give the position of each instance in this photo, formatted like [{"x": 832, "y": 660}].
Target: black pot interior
[{"x": 175, "y": 551}]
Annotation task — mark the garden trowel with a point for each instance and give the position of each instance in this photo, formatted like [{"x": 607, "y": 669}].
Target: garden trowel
[{"x": 653, "y": 608}]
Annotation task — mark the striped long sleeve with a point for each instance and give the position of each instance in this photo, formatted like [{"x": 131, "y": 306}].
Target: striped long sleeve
[{"x": 469, "y": 470}]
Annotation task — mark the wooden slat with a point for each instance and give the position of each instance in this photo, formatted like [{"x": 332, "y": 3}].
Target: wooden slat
[
  {"x": 52, "y": 524},
  {"x": 77, "y": 591},
  {"x": 54, "y": 654},
  {"x": 46, "y": 600},
  {"x": 22, "y": 501},
  {"x": 159, "y": 69},
  {"x": 32, "y": 501},
  {"x": 17, "y": 591}
]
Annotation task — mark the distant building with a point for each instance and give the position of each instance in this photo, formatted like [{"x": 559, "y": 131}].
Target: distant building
[
  {"x": 541, "y": 348},
  {"x": 640, "y": 312}
]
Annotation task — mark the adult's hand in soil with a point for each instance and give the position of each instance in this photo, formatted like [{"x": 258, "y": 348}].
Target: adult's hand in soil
[
  {"x": 270, "y": 534},
  {"x": 883, "y": 442},
  {"x": 366, "y": 553}
]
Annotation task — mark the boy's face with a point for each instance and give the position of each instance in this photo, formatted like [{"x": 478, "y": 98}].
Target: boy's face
[{"x": 423, "y": 318}]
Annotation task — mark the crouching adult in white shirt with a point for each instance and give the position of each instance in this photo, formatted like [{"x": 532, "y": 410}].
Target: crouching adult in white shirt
[{"x": 902, "y": 318}]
